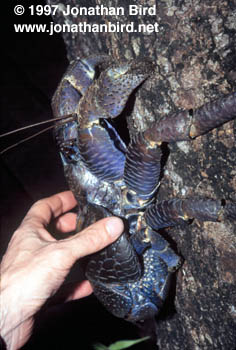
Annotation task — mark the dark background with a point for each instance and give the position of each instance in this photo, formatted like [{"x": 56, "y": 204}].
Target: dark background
[{"x": 32, "y": 66}]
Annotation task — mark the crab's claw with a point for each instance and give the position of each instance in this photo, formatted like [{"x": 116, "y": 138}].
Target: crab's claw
[
  {"x": 100, "y": 146},
  {"x": 119, "y": 82},
  {"x": 107, "y": 97},
  {"x": 74, "y": 84}
]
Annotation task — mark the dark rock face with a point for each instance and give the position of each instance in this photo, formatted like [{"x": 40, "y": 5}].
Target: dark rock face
[{"x": 194, "y": 51}]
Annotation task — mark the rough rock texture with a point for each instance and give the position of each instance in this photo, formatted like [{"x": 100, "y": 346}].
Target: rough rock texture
[{"x": 195, "y": 54}]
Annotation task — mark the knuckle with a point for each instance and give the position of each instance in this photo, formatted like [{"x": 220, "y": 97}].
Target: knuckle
[{"x": 96, "y": 237}]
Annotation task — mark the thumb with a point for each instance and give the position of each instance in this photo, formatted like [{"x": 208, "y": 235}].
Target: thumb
[{"x": 94, "y": 238}]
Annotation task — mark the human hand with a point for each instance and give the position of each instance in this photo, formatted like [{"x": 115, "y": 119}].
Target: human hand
[{"x": 36, "y": 264}]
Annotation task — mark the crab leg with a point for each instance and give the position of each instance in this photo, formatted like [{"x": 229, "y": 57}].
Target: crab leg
[
  {"x": 102, "y": 267},
  {"x": 186, "y": 125},
  {"x": 144, "y": 153},
  {"x": 104, "y": 156},
  {"x": 175, "y": 211},
  {"x": 100, "y": 147},
  {"x": 142, "y": 167},
  {"x": 75, "y": 82}
]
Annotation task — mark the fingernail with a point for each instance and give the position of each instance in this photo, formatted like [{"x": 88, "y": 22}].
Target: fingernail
[{"x": 114, "y": 226}]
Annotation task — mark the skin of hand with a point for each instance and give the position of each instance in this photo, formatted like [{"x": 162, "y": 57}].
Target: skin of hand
[{"x": 35, "y": 264}]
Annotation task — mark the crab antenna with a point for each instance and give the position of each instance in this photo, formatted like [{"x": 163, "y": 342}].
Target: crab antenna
[
  {"x": 69, "y": 116},
  {"x": 26, "y": 139},
  {"x": 65, "y": 118}
]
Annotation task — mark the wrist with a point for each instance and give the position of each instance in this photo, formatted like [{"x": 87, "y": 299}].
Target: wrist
[{"x": 14, "y": 321}]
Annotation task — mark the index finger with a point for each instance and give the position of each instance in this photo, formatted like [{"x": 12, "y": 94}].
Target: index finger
[{"x": 44, "y": 210}]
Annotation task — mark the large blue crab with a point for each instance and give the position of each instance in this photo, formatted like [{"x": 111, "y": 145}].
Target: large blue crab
[{"x": 130, "y": 277}]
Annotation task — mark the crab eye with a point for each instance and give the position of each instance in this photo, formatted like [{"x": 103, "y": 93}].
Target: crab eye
[{"x": 69, "y": 152}]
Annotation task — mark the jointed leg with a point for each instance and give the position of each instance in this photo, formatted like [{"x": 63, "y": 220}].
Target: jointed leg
[
  {"x": 174, "y": 211},
  {"x": 142, "y": 167},
  {"x": 186, "y": 125}
]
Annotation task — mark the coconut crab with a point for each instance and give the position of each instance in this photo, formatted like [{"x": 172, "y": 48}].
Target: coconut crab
[{"x": 131, "y": 277}]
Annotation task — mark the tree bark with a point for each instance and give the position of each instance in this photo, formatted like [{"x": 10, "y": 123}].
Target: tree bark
[{"x": 194, "y": 51}]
